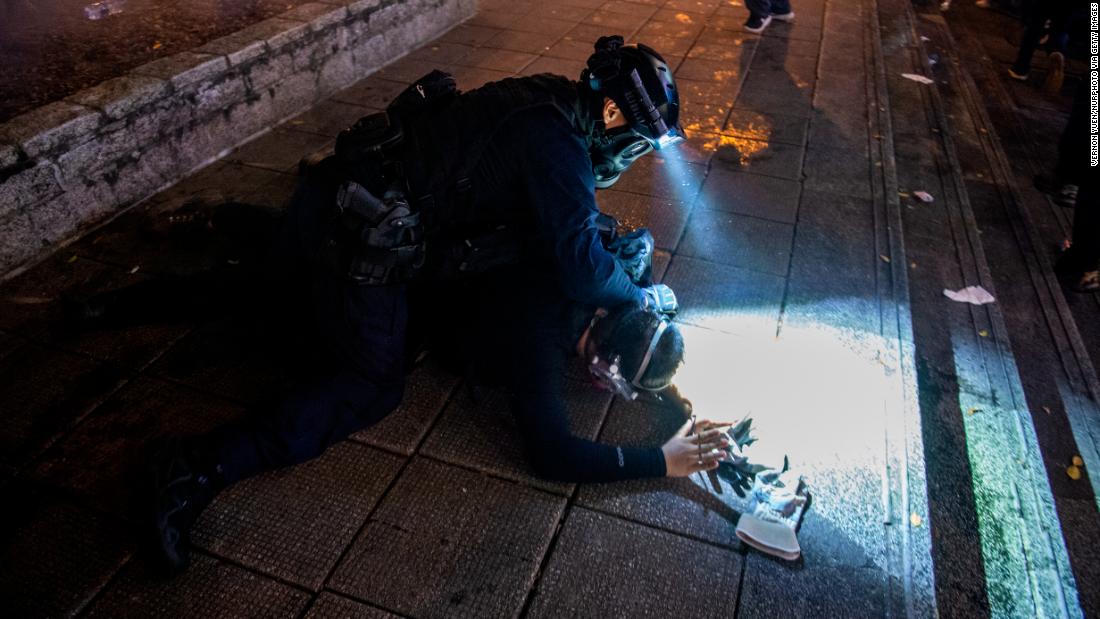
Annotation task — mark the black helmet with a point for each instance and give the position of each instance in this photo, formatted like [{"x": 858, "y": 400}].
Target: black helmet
[{"x": 641, "y": 84}]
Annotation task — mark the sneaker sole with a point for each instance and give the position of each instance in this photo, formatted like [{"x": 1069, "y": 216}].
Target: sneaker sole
[{"x": 786, "y": 17}]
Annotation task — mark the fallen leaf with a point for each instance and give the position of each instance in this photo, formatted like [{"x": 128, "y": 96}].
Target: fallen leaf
[
  {"x": 912, "y": 265},
  {"x": 1046, "y": 409},
  {"x": 915, "y": 519},
  {"x": 904, "y": 194},
  {"x": 983, "y": 333},
  {"x": 924, "y": 196},
  {"x": 158, "y": 45},
  {"x": 72, "y": 259},
  {"x": 135, "y": 269},
  {"x": 917, "y": 78},
  {"x": 973, "y": 410},
  {"x": 884, "y": 257},
  {"x": 1077, "y": 461},
  {"x": 1074, "y": 473},
  {"x": 975, "y": 295}
]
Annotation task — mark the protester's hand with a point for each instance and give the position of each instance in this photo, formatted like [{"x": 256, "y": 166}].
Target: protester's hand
[{"x": 695, "y": 449}]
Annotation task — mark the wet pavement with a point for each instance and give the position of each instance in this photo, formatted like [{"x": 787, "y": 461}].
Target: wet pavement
[
  {"x": 806, "y": 303},
  {"x": 54, "y": 48}
]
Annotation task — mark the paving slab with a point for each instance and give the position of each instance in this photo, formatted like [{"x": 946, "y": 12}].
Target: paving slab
[
  {"x": 373, "y": 92},
  {"x": 725, "y": 298},
  {"x": 738, "y": 240},
  {"x": 774, "y": 128},
  {"x": 777, "y": 92},
  {"x": 130, "y": 346},
  {"x": 321, "y": 506},
  {"x": 279, "y": 151},
  {"x": 209, "y": 588},
  {"x": 229, "y": 358},
  {"x": 777, "y": 49},
  {"x": 328, "y": 118},
  {"x": 701, "y": 506},
  {"x": 770, "y": 158},
  {"x": 56, "y": 556},
  {"x": 530, "y": 42},
  {"x": 152, "y": 239},
  {"x": 715, "y": 44},
  {"x": 483, "y": 435},
  {"x": 39, "y": 408},
  {"x": 332, "y": 606},
  {"x": 837, "y": 171},
  {"x": 772, "y": 588},
  {"x": 427, "y": 390},
  {"x": 665, "y": 218},
  {"x": 663, "y": 178},
  {"x": 450, "y": 542},
  {"x": 594, "y": 571},
  {"x": 101, "y": 461},
  {"x": 30, "y": 304},
  {"x": 764, "y": 197}
]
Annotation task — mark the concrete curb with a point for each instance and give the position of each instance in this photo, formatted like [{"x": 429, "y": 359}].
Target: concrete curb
[{"x": 75, "y": 162}]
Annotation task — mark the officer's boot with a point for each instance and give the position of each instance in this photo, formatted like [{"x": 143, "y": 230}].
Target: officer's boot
[
  {"x": 80, "y": 314},
  {"x": 184, "y": 480}
]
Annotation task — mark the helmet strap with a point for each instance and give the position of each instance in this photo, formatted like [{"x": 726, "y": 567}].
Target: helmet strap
[{"x": 661, "y": 326}]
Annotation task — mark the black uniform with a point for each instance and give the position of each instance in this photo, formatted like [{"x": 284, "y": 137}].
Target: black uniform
[{"x": 520, "y": 148}]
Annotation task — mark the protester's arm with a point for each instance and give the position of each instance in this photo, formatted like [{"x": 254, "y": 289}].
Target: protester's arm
[
  {"x": 555, "y": 453},
  {"x": 538, "y": 387},
  {"x": 561, "y": 190}
]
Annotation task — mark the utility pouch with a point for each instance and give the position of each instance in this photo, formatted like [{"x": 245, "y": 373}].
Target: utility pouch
[
  {"x": 369, "y": 138},
  {"x": 481, "y": 254},
  {"x": 376, "y": 240},
  {"x": 608, "y": 229}
]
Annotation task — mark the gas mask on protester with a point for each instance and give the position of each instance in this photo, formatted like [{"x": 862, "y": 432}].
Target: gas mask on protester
[
  {"x": 641, "y": 84},
  {"x": 626, "y": 348}
]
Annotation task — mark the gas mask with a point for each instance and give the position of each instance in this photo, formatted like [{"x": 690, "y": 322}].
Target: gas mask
[
  {"x": 613, "y": 152},
  {"x": 607, "y": 370}
]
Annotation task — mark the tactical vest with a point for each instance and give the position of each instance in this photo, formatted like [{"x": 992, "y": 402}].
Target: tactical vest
[
  {"x": 444, "y": 143},
  {"x": 424, "y": 151}
]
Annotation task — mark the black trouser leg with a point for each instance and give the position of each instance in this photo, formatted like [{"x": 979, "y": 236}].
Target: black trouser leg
[
  {"x": 302, "y": 425},
  {"x": 1086, "y": 226},
  {"x": 1036, "y": 24},
  {"x": 362, "y": 331},
  {"x": 1073, "y": 146}
]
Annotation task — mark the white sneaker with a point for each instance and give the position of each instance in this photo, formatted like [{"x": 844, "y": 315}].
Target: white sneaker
[{"x": 787, "y": 17}]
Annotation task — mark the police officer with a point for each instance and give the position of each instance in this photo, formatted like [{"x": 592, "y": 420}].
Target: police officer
[{"x": 494, "y": 188}]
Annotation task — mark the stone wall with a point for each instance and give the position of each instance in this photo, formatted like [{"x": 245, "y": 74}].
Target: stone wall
[{"x": 75, "y": 162}]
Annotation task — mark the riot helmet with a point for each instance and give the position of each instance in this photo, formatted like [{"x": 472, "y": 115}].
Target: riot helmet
[
  {"x": 641, "y": 84},
  {"x": 632, "y": 349}
]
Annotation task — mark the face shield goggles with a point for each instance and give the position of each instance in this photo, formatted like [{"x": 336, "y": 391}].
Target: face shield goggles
[{"x": 607, "y": 370}]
